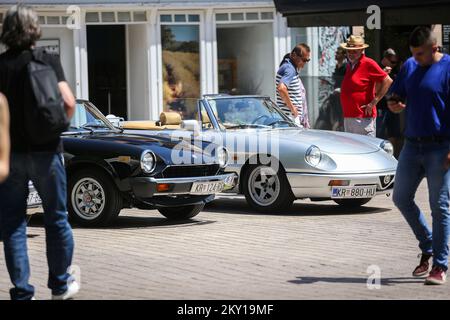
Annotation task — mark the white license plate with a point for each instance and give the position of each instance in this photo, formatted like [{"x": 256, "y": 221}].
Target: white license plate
[
  {"x": 34, "y": 199},
  {"x": 353, "y": 192},
  {"x": 207, "y": 187}
]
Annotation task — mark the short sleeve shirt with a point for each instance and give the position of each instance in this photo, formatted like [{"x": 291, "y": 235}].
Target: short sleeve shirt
[
  {"x": 287, "y": 74},
  {"x": 358, "y": 87},
  {"x": 427, "y": 94}
]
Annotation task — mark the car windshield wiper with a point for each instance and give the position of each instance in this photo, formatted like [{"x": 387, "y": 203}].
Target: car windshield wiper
[
  {"x": 79, "y": 128},
  {"x": 90, "y": 126},
  {"x": 279, "y": 121},
  {"x": 243, "y": 126}
]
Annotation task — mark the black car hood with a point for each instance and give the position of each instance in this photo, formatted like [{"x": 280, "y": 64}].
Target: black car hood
[{"x": 113, "y": 144}]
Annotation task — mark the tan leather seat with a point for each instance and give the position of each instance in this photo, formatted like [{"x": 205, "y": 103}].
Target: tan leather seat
[
  {"x": 170, "y": 120},
  {"x": 140, "y": 125}
]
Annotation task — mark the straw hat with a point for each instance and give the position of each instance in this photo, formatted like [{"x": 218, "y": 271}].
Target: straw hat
[{"x": 354, "y": 43}]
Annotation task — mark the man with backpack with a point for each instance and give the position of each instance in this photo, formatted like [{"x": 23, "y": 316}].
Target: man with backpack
[{"x": 40, "y": 105}]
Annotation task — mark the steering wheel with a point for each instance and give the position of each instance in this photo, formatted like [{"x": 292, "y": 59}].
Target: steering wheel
[{"x": 259, "y": 118}]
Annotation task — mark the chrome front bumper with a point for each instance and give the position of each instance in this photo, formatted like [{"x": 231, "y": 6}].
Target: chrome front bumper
[
  {"x": 146, "y": 187},
  {"x": 306, "y": 185}
]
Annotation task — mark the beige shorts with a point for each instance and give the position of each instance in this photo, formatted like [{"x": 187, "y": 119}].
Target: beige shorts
[{"x": 364, "y": 126}]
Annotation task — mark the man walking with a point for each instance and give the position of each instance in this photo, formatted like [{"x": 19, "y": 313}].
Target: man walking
[
  {"x": 364, "y": 85},
  {"x": 424, "y": 81},
  {"x": 42, "y": 164},
  {"x": 291, "y": 94}
]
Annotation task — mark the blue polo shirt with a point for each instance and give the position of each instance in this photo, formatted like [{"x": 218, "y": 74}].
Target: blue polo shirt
[{"x": 427, "y": 91}]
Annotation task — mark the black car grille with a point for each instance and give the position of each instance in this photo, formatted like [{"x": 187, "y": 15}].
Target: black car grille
[{"x": 190, "y": 171}]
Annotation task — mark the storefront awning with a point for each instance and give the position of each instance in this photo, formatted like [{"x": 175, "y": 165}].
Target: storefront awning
[{"x": 304, "y": 13}]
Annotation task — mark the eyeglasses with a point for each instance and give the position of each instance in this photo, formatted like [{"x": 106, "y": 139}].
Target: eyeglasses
[
  {"x": 306, "y": 60},
  {"x": 393, "y": 61}
]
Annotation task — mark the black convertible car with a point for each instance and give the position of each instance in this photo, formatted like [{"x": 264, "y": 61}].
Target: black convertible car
[{"x": 108, "y": 170}]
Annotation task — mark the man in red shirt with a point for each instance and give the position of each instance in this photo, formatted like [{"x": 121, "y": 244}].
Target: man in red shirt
[{"x": 364, "y": 85}]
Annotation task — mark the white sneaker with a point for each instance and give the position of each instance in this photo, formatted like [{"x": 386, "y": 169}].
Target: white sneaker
[{"x": 72, "y": 290}]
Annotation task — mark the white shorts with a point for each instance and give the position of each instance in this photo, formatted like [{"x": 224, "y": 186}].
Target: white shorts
[{"x": 364, "y": 126}]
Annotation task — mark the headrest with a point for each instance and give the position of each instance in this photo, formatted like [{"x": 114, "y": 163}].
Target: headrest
[{"x": 170, "y": 118}]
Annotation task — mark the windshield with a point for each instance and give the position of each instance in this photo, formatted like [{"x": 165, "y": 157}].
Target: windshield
[
  {"x": 88, "y": 118},
  {"x": 248, "y": 112}
]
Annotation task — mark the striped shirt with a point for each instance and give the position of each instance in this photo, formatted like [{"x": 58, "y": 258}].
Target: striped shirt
[{"x": 287, "y": 74}]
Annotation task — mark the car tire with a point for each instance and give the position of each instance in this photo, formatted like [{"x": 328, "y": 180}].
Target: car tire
[
  {"x": 280, "y": 194},
  {"x": 94, "y": 191},
  {"x": 181, "y": 213},
  {"x": 352, "y": 203}
]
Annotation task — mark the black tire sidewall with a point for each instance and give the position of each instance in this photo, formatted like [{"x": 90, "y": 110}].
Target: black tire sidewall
[{"x": 181, "y": 212}]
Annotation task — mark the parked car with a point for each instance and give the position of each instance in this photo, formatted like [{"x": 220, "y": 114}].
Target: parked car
[
  {"x": 108, "y": 170},
  {"x": 320, "y": 165}
]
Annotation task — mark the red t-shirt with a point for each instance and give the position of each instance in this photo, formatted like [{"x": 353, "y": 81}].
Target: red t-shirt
[{"x": 358, "y": 87}]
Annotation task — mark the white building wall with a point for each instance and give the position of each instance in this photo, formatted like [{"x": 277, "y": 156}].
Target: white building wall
[
  {"x": 270, "y": 40},
  {"x": 67, "y": 51}
]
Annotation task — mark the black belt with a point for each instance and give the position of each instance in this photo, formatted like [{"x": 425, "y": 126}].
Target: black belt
[{"x": 428, "y": 139}]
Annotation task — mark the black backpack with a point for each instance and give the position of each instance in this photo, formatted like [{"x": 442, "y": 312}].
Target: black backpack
[{"x": 45, "y": 118}]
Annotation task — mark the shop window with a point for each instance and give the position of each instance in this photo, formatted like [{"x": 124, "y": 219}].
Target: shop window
[
  {"x": 181, "y": 66},
  {"x": 124, "y": 16},
  {"x": 92, "y": 17},
  {"x": 108, "y": 17}
]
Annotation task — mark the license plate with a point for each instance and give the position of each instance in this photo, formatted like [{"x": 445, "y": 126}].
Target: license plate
[
  {"x": 33, "y": 199},
  {"x": 353, "y": 192},
  {"x": 207, "y": 187}
]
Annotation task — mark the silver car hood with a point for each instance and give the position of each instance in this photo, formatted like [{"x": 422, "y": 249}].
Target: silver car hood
[{"x": 332, "y": 142}]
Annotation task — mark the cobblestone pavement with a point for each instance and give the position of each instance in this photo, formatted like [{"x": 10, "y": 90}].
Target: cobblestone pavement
[{"x": 314, "y": 251}]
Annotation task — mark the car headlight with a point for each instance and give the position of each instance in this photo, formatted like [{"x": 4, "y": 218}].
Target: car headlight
[
  {"x": 388, "y": 147},
  {"x": 222, "y": 157},
  {"x": 313, "y": 156},
  {"x": 148, "y": 161}
]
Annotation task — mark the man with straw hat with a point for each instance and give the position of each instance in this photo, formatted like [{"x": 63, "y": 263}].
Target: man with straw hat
[{"x": 364, "y": 85}]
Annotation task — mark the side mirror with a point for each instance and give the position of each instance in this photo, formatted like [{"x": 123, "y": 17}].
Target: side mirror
[{"x": 192, "y": 125}]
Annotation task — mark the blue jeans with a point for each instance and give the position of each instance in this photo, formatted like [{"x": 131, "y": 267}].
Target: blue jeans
[
  {"x": 419, "y": 160},
  {"x": 46, "y": 171}
]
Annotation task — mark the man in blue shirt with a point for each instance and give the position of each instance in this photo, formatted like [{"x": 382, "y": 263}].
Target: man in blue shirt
[{"x": 424, "y": 83}]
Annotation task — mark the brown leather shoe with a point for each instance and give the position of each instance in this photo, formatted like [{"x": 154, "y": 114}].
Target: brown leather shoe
[{"x": 424, "y": 266}]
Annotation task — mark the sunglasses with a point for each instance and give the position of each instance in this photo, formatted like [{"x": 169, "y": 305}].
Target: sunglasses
[
  {"x": 303, "y": 59},
  {"x": 393, "y": 61}
]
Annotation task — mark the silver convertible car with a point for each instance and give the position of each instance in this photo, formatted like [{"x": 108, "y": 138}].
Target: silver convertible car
[{"x": 277, "y": 161}]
